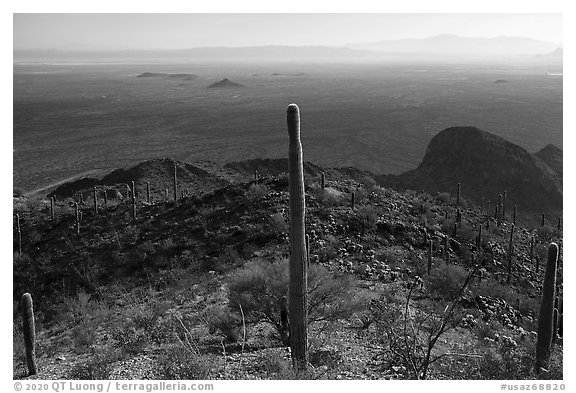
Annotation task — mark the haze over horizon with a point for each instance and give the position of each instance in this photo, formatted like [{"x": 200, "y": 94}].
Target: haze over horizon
[{"x": 93, "y": 32}]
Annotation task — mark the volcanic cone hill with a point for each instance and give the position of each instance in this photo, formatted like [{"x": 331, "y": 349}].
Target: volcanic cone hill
[
  {"x": 485, "y": 165},
  {"x": 552, "y": 156},
  {"x": 225, "y": 83}
]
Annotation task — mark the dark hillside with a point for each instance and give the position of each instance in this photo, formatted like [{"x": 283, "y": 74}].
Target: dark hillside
[
  {"x": 553, "y": 157},
  {"x": 485, "y": 165}
]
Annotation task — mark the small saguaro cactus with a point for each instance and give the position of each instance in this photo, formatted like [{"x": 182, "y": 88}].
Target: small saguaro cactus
[
  {"x": 446, "y": 253},
  {"x": 479, "y": 238},
  {"x": 105, "y": 197},
  {"x": 133, "y": 201},
  {"x": 504, "y": 205},
  {"x": 128, "y": 192},
  {"x": 29, "y": 330},
  {"x": 545, "y": 318},
  {"x": 148, "y": 192},
  {"x": 430, "y": 251},
  {"x": 255, "y": 176},
  {"x": 19, "y": 233},
  {"x": 542, "y": 220},
  {"x": 481, "y": 205},
  {"x": 175, "y": 183},
  {"x": 95, "y": 195},
  {"x": 559, "y": 227},
  {"x": 458, "y": 195},
  {"x": 323, "y": 181},
  {"x": 496, "y": 213},
  {"x": 298, "y": 266},
  {"x": 52, "y": 208},
  {"x": 454, "y": 230},
  {"x": 514, "y": 215},
  {"x": 353, "y": 200},
  {"x": 531, "y": 249},
  {"x": 458, "y": 216},
  {"x": 77, "y": 218},
  {"x": 510, "y": 254}
]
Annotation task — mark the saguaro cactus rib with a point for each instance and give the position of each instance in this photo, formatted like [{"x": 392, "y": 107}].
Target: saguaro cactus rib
[{"x": 298, "y": 265}]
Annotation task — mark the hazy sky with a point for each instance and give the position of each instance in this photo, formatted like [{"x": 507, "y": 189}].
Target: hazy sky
[{"x": 172, "y": 31}]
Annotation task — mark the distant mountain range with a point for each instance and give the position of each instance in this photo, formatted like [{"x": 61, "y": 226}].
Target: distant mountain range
[
  {"x": 450, "y": 46},
  {"x": 453, "y": 44}
]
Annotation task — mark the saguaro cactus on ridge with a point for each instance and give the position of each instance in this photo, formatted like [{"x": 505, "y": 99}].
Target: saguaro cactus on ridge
[{"x": 298, "y": 265}]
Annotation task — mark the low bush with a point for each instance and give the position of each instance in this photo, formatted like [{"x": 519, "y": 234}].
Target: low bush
[
  {"x": 181, "y": 364},
  {"x": 445, "y": 281},
  {"x": 261, "y": 289}
]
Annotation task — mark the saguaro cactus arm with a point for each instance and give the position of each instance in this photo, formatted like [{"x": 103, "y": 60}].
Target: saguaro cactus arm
[{"x": 298, "y": 265}]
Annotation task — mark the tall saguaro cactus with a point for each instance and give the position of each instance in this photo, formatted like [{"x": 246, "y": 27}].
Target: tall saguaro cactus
[
  {"x": 458, "y": 195},
  {"x": 531, "y": 249},
  {"x": 148, "y": 192},
  {"x": 133, "y": 201},
  {"x": 95, "y": 201},
  {"x": 52, "y": 208},
  {"x": 545, "y": 318},
  {"x": 323, "y": 181},
  {"x": 430, "y": 251},
  {"x": 77, "y": 218},
  {"x": 504, "y": 205},
  {"x": 479, "y": 238},
  {"x": 298, "y": 265},
  {"x": 510, "y": 254},
  {"x": 175, "y": 184},
  {"x": 29, "y": 330},
  {"x": 19, "y": 232}
]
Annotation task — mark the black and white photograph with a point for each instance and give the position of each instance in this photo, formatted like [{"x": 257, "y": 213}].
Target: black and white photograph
[{"x": 291, "y": 195}]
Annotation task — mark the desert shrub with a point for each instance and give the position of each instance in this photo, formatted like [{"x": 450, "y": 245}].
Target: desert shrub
[
  {"x": 277, "y": 224},
  {"x": 361, "y": 195},
  {"x": 467, "y": 232},
  {"x": 505, "y": 362},
  {"x": 274, "y": 366},
  {"x": 486, "y": 329},
  {"x": 546, "y": 234},
  {"x": 256, "y": 192},
  {"x": 222, "y": 321},
  {"x": 261, "y": 288},
  {"x": 329, "y": 251},
  {"x": 129, "y": 339},
  {"x": 17, "y": 192},
  {"x": 418, "y": 263},
  {"x": 368, "y": 216},
  {"x": 445, "y": 198},
  {"x": 408, "y": 334},
  {"x": 85, "y": 314},
  {"x": 527, "y": 305},
  {"x": 182, "y": 364},
  {"x": 446, "y": 280}
]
